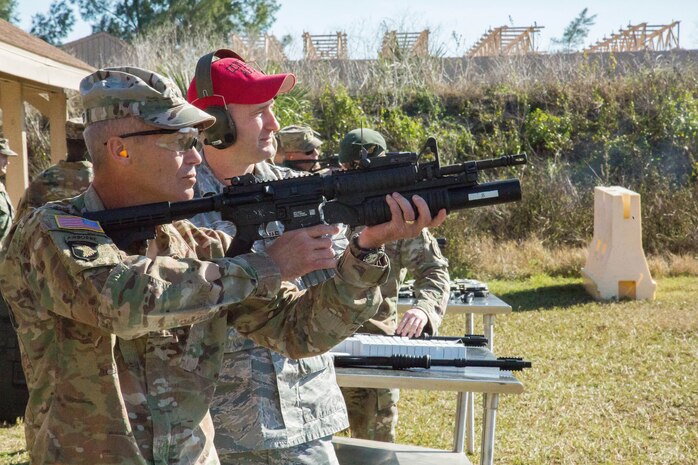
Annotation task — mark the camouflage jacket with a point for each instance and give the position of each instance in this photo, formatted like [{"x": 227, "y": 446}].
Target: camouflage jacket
[
  {"x": 121, "y": 350},
  {"x": 58, "y": 182},
  {"x": 6, "y": 215},
  {"x": 264, "y": 400},
  {"x": 423, "y": 258}
]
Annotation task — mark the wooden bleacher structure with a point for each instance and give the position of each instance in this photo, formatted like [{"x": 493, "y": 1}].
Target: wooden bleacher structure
[
  {"x": 505, "y": 41},
  {"x": 325, "y": 47},
  {"x": 640, "y": 37},
  {"x": 260, "y": 47},
  {"x": 397, "y": 45}
]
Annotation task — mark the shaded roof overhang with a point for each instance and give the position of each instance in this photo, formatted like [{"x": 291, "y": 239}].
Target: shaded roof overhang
[{"x": 32, "y": 67}]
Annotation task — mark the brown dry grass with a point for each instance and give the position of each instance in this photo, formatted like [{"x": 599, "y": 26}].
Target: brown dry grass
[{"x": 485, "y": 258}]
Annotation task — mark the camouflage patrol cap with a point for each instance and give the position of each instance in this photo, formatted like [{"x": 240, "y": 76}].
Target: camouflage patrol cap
[
  {"x": 350, "y": 147},
  {"x": 298, "y": 139},
  {"x": 113, "y": 93},
  {"x": 74, "y": 128},
  {"x": 5, "y": 149}
]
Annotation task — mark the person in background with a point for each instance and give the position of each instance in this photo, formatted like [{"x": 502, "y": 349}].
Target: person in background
[
  {"x": 13, "y": 388},
  {"x": 373, "y": 412},
  {"x": 299, "y": 148},
  {"x": 6, "y": 209},
  {"x": 68, "y": 178}
]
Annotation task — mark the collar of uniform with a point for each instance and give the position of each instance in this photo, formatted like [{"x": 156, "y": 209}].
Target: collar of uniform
[
  {"x": 208, "y": 183},
  {"x": 93, "y": 203}
]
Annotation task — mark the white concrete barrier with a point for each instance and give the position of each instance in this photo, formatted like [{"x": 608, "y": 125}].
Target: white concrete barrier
[{"x": 616, "y": 267}]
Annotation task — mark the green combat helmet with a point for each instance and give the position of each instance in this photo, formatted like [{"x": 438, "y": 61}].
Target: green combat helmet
[{"x": 354, "y": 141}]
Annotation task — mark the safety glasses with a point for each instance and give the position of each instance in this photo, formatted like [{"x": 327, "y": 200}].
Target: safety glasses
[{"x": 177, "y": 140}]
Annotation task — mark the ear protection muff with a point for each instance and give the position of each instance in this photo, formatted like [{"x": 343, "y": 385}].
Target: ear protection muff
[{"x": 223, "y": 133}]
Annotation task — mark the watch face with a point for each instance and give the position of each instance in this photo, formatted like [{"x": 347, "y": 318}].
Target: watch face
[{"x": 371, "y": 257}]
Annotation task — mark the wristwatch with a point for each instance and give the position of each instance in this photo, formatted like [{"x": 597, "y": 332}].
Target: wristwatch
[{"x": 368, "y": 256}]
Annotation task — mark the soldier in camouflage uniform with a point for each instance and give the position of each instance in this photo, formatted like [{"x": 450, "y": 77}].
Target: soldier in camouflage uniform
[
  {"x": 68, "y": 178},
  {"x": 13, "y": 391},
  {"x": 298, "y": 148},
  {"x": 6, "y": 209},
  {"x": 373, "y": 412},
  {"x": 121, "y": 348},
  {"x": 267, "y": 409}
]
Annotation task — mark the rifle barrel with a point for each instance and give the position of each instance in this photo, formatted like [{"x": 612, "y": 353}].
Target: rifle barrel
[
  {"x": 499, "y": 162},
  {"x": 470, "y": 340}
]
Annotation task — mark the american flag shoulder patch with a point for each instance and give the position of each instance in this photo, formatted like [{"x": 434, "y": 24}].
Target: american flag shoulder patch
[{"x": 76, "y": 222}]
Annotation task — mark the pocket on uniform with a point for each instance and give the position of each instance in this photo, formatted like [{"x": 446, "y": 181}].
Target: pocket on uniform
[{"x": 311, "y": 365}]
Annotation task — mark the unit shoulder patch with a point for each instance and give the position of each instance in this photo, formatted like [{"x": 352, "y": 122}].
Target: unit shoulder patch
[{"x": 82, "y": 249}]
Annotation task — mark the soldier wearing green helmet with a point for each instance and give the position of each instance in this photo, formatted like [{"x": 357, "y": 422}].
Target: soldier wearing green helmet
[
  {"x": 359, "y": 143},
  {"x": 373, "y": 412}
]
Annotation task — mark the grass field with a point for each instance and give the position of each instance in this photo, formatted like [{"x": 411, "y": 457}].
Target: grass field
[{"x": 611, "y": 383}]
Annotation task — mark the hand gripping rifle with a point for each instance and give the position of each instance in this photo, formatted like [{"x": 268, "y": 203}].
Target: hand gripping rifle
[
  {"x": 402, "y": 362},
  {"x": 354, "y": 198}
]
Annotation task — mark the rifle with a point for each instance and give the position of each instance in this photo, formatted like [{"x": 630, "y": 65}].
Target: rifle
[
  {"x": 354, "y": 198},
  {"x": 468, "y": 340},
  {"x": 402, "y": 362}
]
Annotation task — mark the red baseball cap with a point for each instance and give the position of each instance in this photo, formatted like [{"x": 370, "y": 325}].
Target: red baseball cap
[{"x": 235, "y": 81}]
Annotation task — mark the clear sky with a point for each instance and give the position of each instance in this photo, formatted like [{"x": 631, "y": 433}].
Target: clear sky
[{"x": 455, "y": 25}]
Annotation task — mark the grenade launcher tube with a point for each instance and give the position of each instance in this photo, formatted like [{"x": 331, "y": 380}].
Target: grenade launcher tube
[{"x": 376, "y": 211}]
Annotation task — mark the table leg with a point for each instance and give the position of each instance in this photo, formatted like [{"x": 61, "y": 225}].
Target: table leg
[
  {"x": 470, "y": 411},
  {"x": 488, "y": 322},
  {"x": 470, "y": 423},
  {"x": 460, "y": 431},
  {"x": 489, "y": 418}
]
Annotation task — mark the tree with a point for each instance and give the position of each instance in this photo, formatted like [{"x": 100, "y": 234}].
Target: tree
[
  {"x": 126, "y": 18},
  {"x": 575, "y": 32},
  {"x": 54, "y": 25},
  {"x": 8, "y": 10}
]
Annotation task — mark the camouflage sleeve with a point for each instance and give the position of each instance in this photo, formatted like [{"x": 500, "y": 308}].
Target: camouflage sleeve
[
  {"x": 304, "y": 323},
  {"x": 22, "y": 208},
  {"x": 5, "y": 220},
  {"x": 209, "y": 243},
  {"x": 81, "y": 275},
  {"x": 429, "y": 267}
]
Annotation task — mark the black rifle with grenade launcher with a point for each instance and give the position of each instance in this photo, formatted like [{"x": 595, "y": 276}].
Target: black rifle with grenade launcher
[{"x": 354, "y": 198}]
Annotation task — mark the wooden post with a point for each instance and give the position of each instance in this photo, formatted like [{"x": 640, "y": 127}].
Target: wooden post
[
  {"x": 12, "y": 105},
  {"x": 57, "y": 118}
]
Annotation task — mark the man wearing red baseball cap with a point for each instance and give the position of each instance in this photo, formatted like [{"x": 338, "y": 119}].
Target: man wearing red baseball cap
[{"x": 267, "y": 409}]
